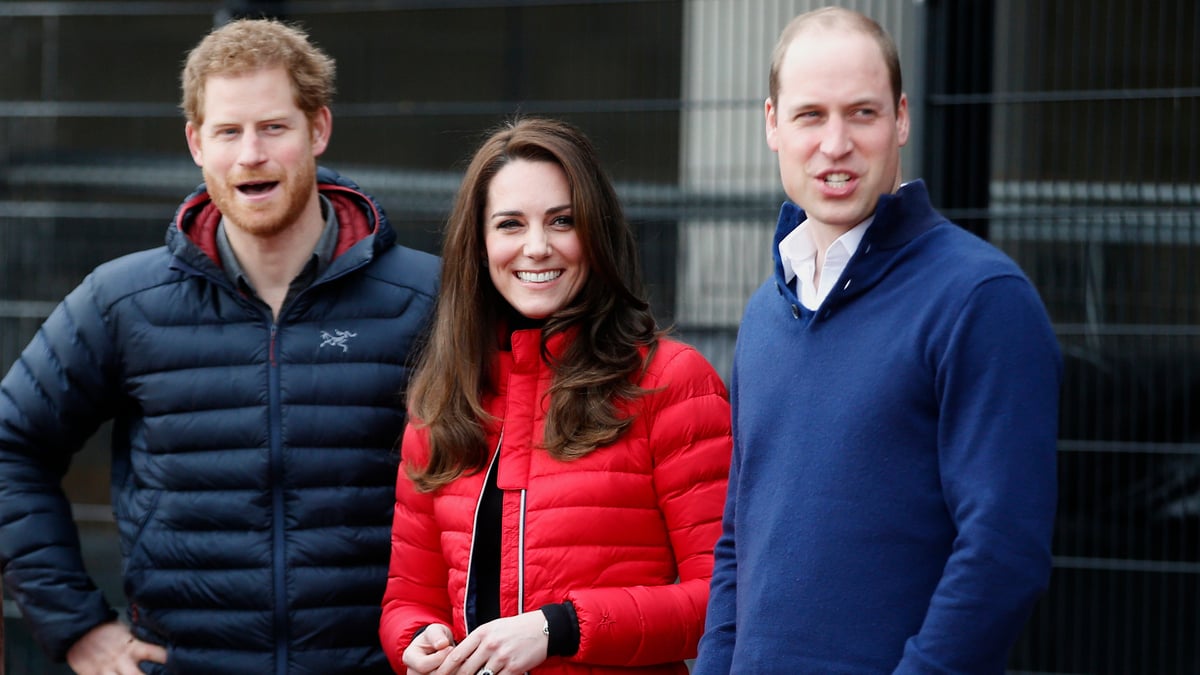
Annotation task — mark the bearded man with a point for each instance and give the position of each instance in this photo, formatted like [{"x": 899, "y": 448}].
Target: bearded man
[{"x": 253, "y": 368}]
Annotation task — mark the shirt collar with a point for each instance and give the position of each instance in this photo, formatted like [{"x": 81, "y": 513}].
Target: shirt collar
[
  {"x": 797, "y": 248},
  {"x": 322, "y": 254}
]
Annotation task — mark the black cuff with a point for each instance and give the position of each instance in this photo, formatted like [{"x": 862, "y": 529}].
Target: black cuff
[{"x": 564, "y": 629}]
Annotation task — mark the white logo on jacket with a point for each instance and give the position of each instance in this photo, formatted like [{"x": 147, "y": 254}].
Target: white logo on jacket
[{"x": 338, "y": 339}]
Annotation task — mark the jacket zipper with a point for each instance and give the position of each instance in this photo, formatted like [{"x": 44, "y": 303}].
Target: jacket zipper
[
  {"x": 521, "y": 558},
  {"x": 278, "y": 559},
  {"x": 275, "y": 427}
]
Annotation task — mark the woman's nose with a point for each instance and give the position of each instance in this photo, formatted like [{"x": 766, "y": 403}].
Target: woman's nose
[{"x": 537, "y": 244}]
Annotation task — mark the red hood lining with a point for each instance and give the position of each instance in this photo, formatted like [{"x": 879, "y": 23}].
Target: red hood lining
[{"x": 353, "y": 224}]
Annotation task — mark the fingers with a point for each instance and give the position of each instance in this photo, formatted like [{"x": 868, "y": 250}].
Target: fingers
[
  {"x": 458, "y": 660},
  {"x": 424, "y": 663},
  {"x": 439, "y": 636},
  {"x": 428, "y": 650},
  {"x": 146, "y": 651},
  {"x": 506, "y": 646},
  {"x": 111, "y": 648}
]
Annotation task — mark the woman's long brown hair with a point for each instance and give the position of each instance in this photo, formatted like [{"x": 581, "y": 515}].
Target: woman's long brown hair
[{"x": 611, "y": 314}]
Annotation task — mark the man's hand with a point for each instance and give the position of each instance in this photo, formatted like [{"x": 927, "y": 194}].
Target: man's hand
[{"x": 110, "y": 648}]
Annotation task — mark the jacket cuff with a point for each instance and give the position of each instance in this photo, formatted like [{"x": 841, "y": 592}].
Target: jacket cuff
[
  {"x": 56, "y": 644},
  {"x": 564, "y": 629}
]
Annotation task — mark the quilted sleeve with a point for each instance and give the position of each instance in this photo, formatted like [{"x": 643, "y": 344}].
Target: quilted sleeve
[
  {"x": 691, "y": 441},
  {"x": 715, "y": 653},
  {"x": 416, "y": 593},
  {"x": 61, "y": 388}
]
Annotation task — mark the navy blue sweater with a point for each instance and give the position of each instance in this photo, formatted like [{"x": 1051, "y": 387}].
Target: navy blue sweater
[
  {"x": 892, "y": 493},
  {"x": 253, "y": 460}
]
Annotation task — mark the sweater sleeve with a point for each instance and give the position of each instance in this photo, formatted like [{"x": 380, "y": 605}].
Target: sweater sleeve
[
  {"x": 416, "y": 594},
  {"x": 689, "y": 436},
  {"x": 53, "y": 398},
  {"x": 720, "y": 631},
  {"x": 997, "y": 385}
]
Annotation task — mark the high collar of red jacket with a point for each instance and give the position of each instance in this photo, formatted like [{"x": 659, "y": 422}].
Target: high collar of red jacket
[
  {"x": 521, "y": 378},
  {"x": 524, "y": 352}
]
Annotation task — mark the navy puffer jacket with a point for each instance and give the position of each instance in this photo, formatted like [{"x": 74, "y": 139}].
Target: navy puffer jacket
[{"x": 254, "y": 460}]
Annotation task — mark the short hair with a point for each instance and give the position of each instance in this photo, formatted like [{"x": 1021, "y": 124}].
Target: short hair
[
  {"x": 248, "y": 45},
  {"x": 838, "y": 17}
]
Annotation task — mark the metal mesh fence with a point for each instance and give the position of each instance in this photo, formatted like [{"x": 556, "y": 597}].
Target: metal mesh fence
[{"x": 1062, "y": 130}]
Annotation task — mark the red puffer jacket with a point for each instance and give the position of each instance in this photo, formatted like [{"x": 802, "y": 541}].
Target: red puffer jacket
[{"x": 611, "y": 532}]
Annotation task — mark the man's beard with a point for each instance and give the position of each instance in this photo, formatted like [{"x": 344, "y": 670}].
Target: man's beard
[{"x": 268, "y": 219}]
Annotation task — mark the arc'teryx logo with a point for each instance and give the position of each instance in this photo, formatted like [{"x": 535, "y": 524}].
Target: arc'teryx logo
[{"x": 339, "y": 338}]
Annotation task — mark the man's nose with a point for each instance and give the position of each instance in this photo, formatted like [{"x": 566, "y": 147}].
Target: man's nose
[
  {"x": 835, "y": 141},
  {"x": 251, "y": 151}
]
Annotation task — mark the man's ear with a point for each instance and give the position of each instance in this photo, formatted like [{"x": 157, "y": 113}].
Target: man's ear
[
  {"x": 321, "y": 127},
  {"x": 771, "y": 125},
  {"x": 902, "y": 120},
  {"x": 192, "y": 133}
]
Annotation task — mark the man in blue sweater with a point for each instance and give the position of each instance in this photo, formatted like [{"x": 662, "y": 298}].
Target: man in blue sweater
[
  {"x": 253, "y": 369},
  {"x": 895, "y": 403}
]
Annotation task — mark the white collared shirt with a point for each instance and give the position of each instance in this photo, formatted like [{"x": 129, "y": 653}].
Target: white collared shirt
[{"x": 799, "y": 256}]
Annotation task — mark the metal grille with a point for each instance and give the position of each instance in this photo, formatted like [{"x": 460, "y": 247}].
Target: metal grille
[
  {"x": 1069, "y": 140},
  {"x": 1064, "y": 131}
]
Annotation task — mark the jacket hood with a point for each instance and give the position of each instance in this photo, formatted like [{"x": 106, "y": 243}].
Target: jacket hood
[{"x": 192, "y": 235}]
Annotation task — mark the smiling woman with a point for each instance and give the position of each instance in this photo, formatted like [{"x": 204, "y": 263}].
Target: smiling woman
[
  {"x": 565, "y": 463},
  {"x": 533, "y": 251}
]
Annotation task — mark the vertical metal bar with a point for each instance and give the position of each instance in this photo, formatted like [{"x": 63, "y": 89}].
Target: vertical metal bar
[
  {"x": 917, "y": 107},
  {"x": 50, "y": 47},
  {"x": 2, "y": 622}
]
